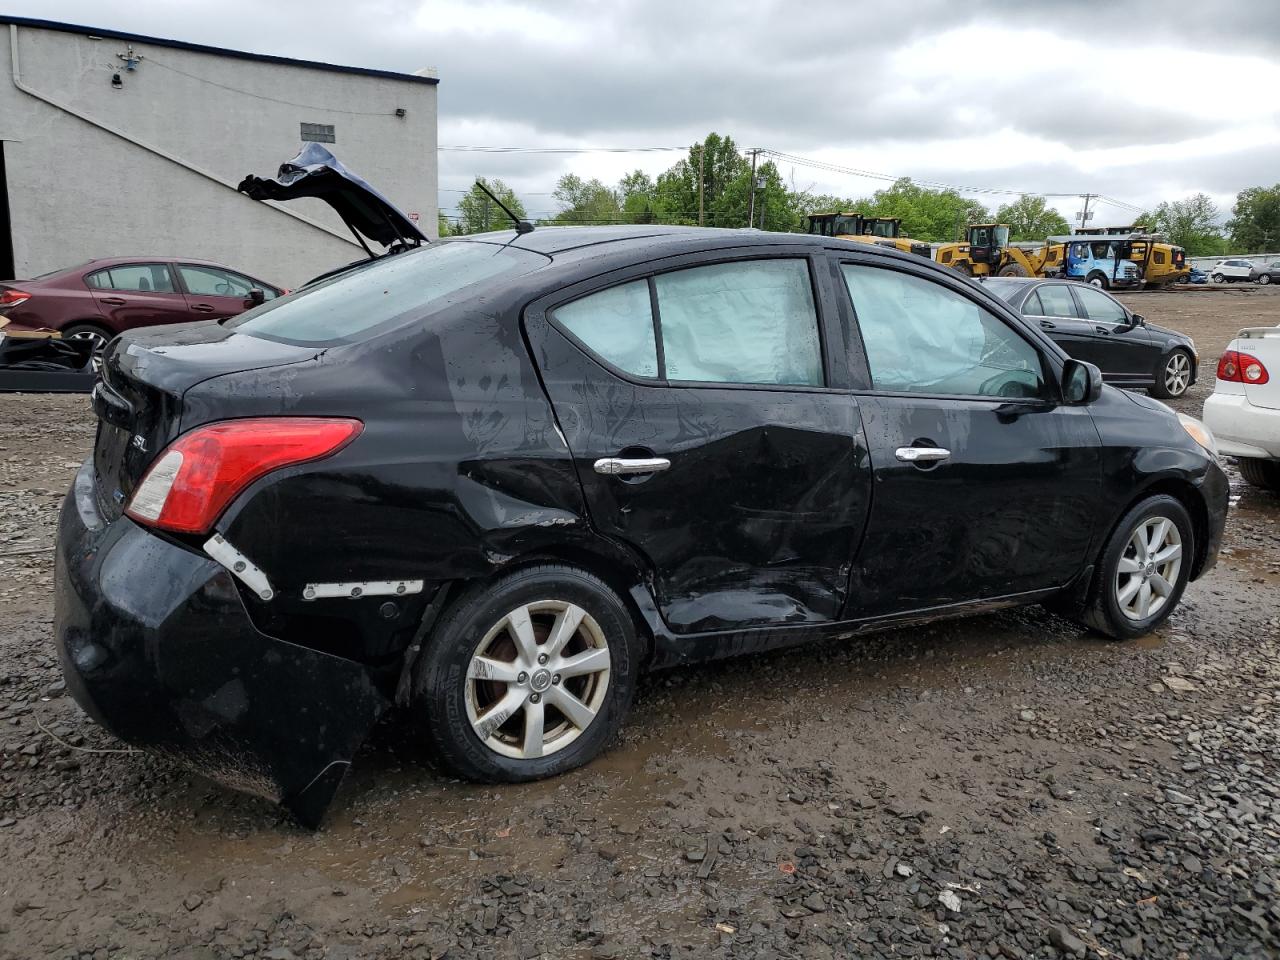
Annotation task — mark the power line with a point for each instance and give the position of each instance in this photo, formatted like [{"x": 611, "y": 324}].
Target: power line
[{"x": 470, "y": 148}]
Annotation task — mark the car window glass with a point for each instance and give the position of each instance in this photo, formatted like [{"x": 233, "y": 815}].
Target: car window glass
[
  {"x": 748, "y": 322},
  {"x": 133, "y": 277},
  {"x": 209, "y": 282},
  {"x": 921, "y": 337},
  {"x": 617, "y": 324},
  {"x": 1032, "y": 307},
  {"x": 393, "y": 289},
  {"x": 1057, "y": 301},
  {"x": 1098, "y": 306}
]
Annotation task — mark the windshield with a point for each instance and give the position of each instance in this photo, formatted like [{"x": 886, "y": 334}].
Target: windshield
[
  {"x": 883, "y": 228},
  {"x": 1002, "y": 236},
  {"x": 345, "y": 307}
]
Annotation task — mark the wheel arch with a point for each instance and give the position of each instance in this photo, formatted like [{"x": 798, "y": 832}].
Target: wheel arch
[{"x": 1186, "y": 493}]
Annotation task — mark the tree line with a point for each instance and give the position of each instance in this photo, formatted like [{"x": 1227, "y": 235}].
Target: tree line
[{"x": 926, "y": 213}]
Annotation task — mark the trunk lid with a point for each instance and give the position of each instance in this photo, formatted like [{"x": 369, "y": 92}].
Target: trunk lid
[
  {"x": 1264, "y": 344},
  {"x": 139, "y": 399}
]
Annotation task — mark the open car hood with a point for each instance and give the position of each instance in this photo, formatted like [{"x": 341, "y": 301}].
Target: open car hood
[{"x": 315, "y": 172}]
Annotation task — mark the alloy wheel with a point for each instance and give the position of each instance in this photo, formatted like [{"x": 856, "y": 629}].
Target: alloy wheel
[
  {"x": 1265, "y": 278},
  {"x": 538, "y": 679},
  {"x": 98, "y": 341},
  {"x": 1147, "y": 573},
  {"x": 1177, "y": 374}
]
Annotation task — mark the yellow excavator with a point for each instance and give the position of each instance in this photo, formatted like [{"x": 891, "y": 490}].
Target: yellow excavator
[
  {"x": 986, "y": 252},
  {"x": 883, "y": 231}
]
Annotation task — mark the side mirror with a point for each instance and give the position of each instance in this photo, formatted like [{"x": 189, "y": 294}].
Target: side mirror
[
  {"x": 1138, "y": 320},
  {"x": 1081, "y": 382},
  {"x": 255, "y": 297}
]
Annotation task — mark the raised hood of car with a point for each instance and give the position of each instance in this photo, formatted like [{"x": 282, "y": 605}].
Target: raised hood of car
[{"x": 315, "y": 172}]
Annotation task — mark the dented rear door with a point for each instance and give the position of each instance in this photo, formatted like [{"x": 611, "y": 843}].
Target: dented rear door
[{"x": 710, "y": 434}]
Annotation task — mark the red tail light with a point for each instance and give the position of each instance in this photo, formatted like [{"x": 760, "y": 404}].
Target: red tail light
[
  {"x": 11, "y": 298},
  {"x": 194, "y": 479},
  {"x": 1236, "y": 367}
]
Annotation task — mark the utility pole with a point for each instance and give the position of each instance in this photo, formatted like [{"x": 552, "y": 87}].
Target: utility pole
[
  {"x": 751, "y": 209},
  {"x": 1084, "y": 215},
  {"x": 702, "y": 151}
]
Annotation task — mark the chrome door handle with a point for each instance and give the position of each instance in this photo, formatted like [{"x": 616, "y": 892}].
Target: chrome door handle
[
  {"x": 620, "y": 466},
  {"x": 921, "y": 454}
]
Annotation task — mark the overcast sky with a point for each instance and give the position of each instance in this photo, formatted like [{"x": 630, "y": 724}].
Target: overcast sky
[{"x": 1138, "y": 101}]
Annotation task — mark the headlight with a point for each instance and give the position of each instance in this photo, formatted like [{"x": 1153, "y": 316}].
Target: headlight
[{"x": 1199, "y": 433}]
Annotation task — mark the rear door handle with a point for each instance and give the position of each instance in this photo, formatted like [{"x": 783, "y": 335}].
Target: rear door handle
[
  {"x": 113, "y": 301},
  {"x": 921, "y": 454},
  {"x": 624, "y": 466},
  {"x": 202, "y": 307}
]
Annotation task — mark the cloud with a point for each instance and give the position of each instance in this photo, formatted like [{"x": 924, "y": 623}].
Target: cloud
[{"x": 987, "y": 92}]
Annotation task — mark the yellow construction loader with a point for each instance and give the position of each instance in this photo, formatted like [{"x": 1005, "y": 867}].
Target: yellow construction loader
[
  {"x": 883, "y": 231},
  {"x": 986, "y": 252}
]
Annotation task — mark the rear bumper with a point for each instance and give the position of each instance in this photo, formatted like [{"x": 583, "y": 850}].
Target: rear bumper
[
  {"x": 1242, "y": 429},
  {"x": 157, "y": 646}
]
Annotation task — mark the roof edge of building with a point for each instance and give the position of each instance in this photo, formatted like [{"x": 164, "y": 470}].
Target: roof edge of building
[{"x": 56, "y": 25}]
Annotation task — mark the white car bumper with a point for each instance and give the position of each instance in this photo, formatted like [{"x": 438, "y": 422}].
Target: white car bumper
[{"x": 1240, "y": 428}]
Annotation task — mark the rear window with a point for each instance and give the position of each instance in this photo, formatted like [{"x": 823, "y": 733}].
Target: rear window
[
  {"x": 1004, "y": 289},
  {"x": 351, "y": 305}
]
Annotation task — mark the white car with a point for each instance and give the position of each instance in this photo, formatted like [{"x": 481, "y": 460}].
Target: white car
[
  {"x": 1243, "y": 412},
  {"x": 1231, "y": 271}
]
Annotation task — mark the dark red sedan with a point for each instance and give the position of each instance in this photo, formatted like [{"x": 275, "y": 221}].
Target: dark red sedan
[{"x": 99, "y": 299}]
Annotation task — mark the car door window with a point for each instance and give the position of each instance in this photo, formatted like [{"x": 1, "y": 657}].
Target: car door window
[
  {"x": 1032, "y": 307},
  {"x": 210, "y": 282},
  {"x": 1057, "y": 301},
  {"x": 746, "y": 322},
  {"x": 749, "y": 322},
  {"x": 616, "y": 324},
  {"x": 1101, "y": 308},
  {"x": 921, "y": 337},
  {"x": 133, "y": 278}
]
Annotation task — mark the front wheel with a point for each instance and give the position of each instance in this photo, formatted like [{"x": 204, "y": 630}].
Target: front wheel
[
  {"x": 528, "y": 677},
  {"x": 1143, "y": 570},
  {"x": 1260, "y": 473},
  {"x": 1264, "y": 279},
  {"x": 1218, "y": 278},
  {"x": 1174, "y": 376},
  {"x": 1098, "y": 280}
]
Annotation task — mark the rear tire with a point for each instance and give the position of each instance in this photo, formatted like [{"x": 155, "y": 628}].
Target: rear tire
[
  {"x": 94, "y": 334},
  {"x": 1260, "y": 473},
  {"x": 497, "y": 718},
  {"x": 1144, "y": 568}
]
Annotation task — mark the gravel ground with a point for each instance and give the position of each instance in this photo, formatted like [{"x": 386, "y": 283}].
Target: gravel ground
[{"x": 1002, "y": 786}]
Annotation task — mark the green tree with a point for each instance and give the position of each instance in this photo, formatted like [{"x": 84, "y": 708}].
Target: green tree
[
  {"x": 477, "y": 213},
  {"x": 1030, "y": 218},
  {"x": 926, "y": 214},
  {"x": 638, "y": 196},
  {"x": 676, "y": 191},
  {"x": 1191, "y": 224},
  {"x": 585, "y": 201},
  {"x": 1255, "y": 222},
  {"x": 445, "y": 227}
]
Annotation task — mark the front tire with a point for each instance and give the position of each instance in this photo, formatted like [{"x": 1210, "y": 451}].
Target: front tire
[
  {"x": 528, "y": 677},
  {"x": 1173, "y": 379},
  {"x": 1013, "y": 270},
  {"x": 1143, "y": 570},
  {"x": 1099, "y": 280},
  {"x": 1264, "y": 279},
  {"x": 1260, "y": 473}
]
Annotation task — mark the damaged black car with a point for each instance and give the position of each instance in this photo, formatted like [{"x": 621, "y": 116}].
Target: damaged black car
[{"x": 491, "y": 480}]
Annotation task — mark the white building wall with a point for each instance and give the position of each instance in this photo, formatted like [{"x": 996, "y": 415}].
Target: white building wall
[{"x": 78, "y": 190}]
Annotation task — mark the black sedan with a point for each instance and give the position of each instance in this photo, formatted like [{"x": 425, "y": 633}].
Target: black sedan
[
  {"x": 1090, "y": 324},
  {"x": 493, "y": 479}
]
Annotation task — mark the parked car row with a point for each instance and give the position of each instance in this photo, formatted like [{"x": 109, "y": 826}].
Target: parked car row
[{"x": 1241, "y": 271}]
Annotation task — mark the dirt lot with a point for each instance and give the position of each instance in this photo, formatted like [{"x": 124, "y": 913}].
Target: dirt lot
[{"x": 1004, "y": 786}]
